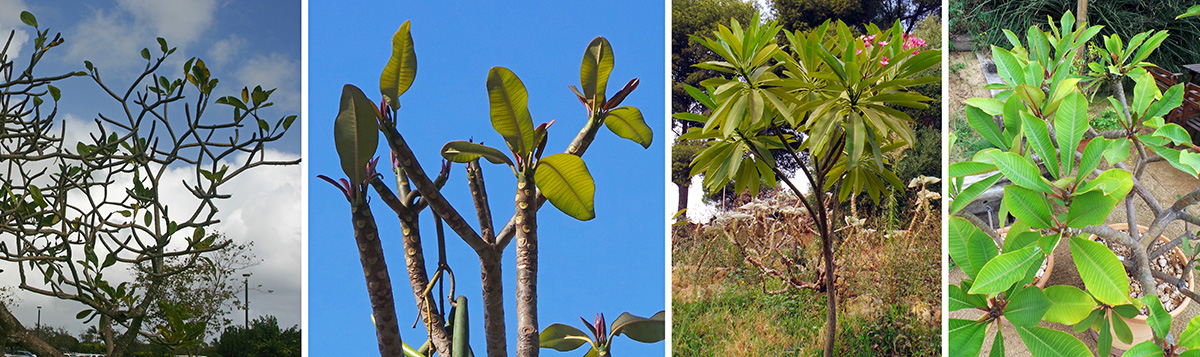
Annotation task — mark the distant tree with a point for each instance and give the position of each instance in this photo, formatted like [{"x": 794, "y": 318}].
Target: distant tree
[
  {"x": 682, "y": 154},
  {"x": 210, "y": 290},
  {"x": 264, "y": 338},
  {"x": 806, "y": 14},
  {"x": 698, "y": 18}
]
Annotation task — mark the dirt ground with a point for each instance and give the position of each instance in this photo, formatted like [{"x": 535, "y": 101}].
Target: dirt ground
[
  {"x": 964, "y": 82},
  {"x": 1163, "y": 181}
]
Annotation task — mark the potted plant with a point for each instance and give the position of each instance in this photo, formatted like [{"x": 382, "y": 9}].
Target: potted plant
[{"x": 1045, "y": 118}]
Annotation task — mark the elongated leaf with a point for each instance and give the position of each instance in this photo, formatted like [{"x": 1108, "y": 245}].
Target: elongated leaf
[
  {"x": 959, "y": 299},
  {"x": 1090, "y": 209},
  {"x": 1101, "y": 271},
  {"x": 971, "y": 192},
  {"x": 1070, "y": 122},
  {"x": 1070, "y": 305},
  {"x": 1159, "y": 320},
  {"x": 985, "y": 126},
  {"x": 966, "y": 338},
  {"x": 597, "y": 64},
  {"x": 566, "y": 182},
  {"x": 627, "y": 122},
  {"x": 1004, "y": 270},
  {"x": 1028, "y": 206},
  {"x": 562, "y": 338},
  {"x": 969, "y": 247},
  {"x": 1021, "y": 172},
  {"x": 464, "y": 151},
  {"x": 355, "y": 132},
  {"x": 1042, "y": 341},
  {"x": 1144, "y": 349},
  {"x": 640, "y": 329},
  {"x": 1039, "y": 139},
  {"x": 510, "y": 110},
  {"x": 401, "y": 68},
  {"x": 1027, "y": 307},
  {"x": 1190, "y": 337}
]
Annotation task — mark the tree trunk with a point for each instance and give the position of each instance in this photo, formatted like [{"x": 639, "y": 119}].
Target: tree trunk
[
  {"x": 414, "y": 259},
  {"x": 12, "y": 330},
  {"x": 493, "y": 302},
  {"x": 683, "y": 202},
  {"x": 527, "y": 265},
  {"x": 379, "y": 284}
]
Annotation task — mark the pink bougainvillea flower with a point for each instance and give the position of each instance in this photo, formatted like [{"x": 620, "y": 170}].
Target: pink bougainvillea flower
[{"x": 884, "y": 62}]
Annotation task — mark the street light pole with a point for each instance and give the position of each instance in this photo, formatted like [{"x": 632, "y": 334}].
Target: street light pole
[
  {"x": 247, "y": 286},
  {"x": 39, "y": 322}
]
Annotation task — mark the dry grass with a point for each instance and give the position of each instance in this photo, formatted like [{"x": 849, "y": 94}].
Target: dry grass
[{"x": 889, "y": 286}]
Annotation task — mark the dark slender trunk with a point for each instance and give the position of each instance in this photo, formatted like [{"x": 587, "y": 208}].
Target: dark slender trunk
[
  {"x": 379, "y": 284},
  {"x": 683, "y": 201},
  {"x": 527, "y": 266}
]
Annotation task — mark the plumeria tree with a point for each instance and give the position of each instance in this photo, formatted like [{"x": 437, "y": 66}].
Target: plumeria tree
[
  {"x": 562, "y": 179},
  {"x": 1059, "y": 194},
  {"x": 830, "y": 93}
]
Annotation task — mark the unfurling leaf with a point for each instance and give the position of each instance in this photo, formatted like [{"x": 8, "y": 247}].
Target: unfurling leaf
[
  {"x": 401, "y": 68},
  {"x": 355, "y": 132},
  {"x": 464, "y": 151},
  {"x": 593, "y": 73}
]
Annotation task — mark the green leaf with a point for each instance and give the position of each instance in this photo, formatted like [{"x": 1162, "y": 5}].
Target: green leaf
[
  {"x": 401, "y": 68},
  {"x": 1190, "y": 337},
  {"x": 1042, "y": 341},
  {"x": 146, "y": 53},
  {"x": 1159, "y": 320},
  {"x": 971, "y": 192},
  {"x": 1191, "y": 11},
  {"x": 991, "y": 106},
  {"x": 627, "y": 122},
  {"x": 1039, "y": 139},
  {"x": 355, "y": 132},
  {"x": 1121, "y": 329},
  {"x": 985, "y": 126},
  {"x": 1118, "y": 151},
  {"x": 997, "y": 345},
  {"x": 1027, "y": 307},
  {"x": 1089, "y": 209},
  {"x": 84, "y": 313},
  {"x": 1070, "y": 122},
  {"x": 54, "y": 92},
  {"x": 1021, "y": 172},
  {"x": 1070, "y": 305},
  {"x": 1177, "y": 134},
  {"x": 960, "y": 300},
  {"x": 1005, "y": 269},
  {"x": 966, "y": 338},
  {"x": 593, "y": 72},
  {"x": 640, "y": 329},
  {"x": 28, "y": 19},
  {"x": 464, "y": 151},
  {"x": 969, "y": 246},
  {"x": 1101, "y": 271},
  {"x": 1144, "y": 349},
  {"x": 1028, "y": 206},
  {"x": 565, "y": 181},
  {"x": 510, "y": 110},
  {"x": 562, "y": 338}
]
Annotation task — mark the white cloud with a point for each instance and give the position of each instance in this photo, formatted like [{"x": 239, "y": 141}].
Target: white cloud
[
  {"x": 274, "y": 70},
  {"x": 224, "y": 50},
  {"x": 10, "y": 19},
  {"x": 180, "y": 22},
  {"x": 112, "y": 39},
  {"x": 264, "y": 208}
]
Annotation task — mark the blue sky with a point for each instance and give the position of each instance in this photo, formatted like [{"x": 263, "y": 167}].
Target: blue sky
[
  {"x": 611, "y": 264},
  {"x": 244, "y": 44}
]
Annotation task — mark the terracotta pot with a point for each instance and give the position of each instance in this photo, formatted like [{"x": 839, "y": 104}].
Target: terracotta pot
[
  {"x": 1039, "y": 281},
  {"x": 1137, "y": 325}
]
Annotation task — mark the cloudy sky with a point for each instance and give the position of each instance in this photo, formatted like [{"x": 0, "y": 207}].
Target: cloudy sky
[
  {"x": 243, "y": 44},
  {"x": 611, "y": 264}
]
